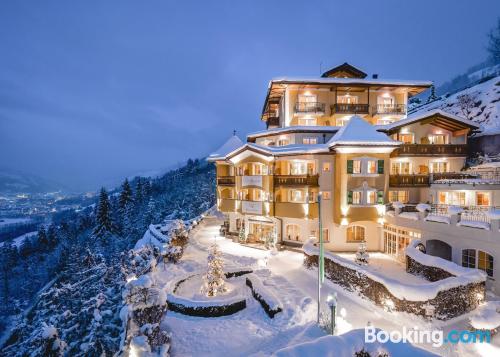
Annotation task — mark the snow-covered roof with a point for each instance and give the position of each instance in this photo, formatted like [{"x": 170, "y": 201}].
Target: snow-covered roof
[
  {"x": 282, "y": 150},
  {"x": 487, "y": 165},
  {"x": 422, "y": 115},
  {"x": 232, "y": 144},
  {"x": 360, "y": 132},
  {"x": 333, "y": 80},
  {"x": 298, "y": 128}
]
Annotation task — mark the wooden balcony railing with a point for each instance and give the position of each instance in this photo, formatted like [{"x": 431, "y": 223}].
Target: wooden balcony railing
[
  {"x": 293, "y": 180},
  {"x": 472, "y": 177},
  {"x": 350, "y": 108},
  {"x": 408, "y": 180},
  {"x": 309, "y": 107},
  {"x": 430, "y": 150},
  {"x": 272, "y": 121},
  {"x": 226, "y": 180},
  {"x": 389, "y": 109}
]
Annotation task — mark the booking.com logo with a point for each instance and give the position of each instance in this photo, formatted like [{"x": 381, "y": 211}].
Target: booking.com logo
[{"x": 434, "y": 337}]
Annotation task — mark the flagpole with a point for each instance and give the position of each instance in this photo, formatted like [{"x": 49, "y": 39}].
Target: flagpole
[{"x": 320, "y": 256}]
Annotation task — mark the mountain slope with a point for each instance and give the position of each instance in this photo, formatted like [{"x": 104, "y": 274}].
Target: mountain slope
[
  {"x": 480, "y": 103},
  {"x": 19, "y": 182}
]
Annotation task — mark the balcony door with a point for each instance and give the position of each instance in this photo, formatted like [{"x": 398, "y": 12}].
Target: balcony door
[{"x": 347, "y": 99}]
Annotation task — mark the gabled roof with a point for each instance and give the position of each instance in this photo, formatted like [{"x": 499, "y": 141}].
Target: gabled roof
[
  {"x": 435, "y": 117},
  {"x": 344, "y": 70},
  {"x": 232, "y": 144},
  {"x": 294, "y": 149},
  {"x": 359, "y": 132},
  {"x": 293, "y": 129}
]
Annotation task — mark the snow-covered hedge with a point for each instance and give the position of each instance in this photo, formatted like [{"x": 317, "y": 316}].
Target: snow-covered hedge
[
  {"x": 449, "y": 297},
  {"x": 351, "y": 344},
  {"x": 215, "y": 307},
  {"x": 269, "y": 301},
  {"x": 487, "y": 317}
]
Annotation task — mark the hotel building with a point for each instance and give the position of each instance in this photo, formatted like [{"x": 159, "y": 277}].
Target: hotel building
[{"x": 385, "y": 177}]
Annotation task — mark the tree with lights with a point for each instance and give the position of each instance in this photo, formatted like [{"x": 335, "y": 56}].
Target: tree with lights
[
  {"x": 362, "y": 256},
  {"x": 214, "y": 282}
]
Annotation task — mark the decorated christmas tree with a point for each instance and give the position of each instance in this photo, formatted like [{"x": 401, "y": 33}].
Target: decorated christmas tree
[
  {"x": 362, "y": 256},
  {"x": 214, "y": 278},
  {"x": 241, "y": 236}
]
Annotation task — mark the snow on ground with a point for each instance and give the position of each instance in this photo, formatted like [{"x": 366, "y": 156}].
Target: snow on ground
[
  {"x": 252, "y": 333},
  {"x": 19, "y": 240}
]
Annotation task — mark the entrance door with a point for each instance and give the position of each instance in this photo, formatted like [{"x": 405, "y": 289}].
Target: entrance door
[{"x": 261, "y": 231}]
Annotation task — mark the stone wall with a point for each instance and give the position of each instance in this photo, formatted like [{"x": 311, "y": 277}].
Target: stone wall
[
  {"x": 446, "y": 305},
  {"x": 426, "y": 272}
]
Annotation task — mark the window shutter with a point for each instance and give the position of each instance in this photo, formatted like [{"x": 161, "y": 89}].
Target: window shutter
[
  {"x": 349, "y": 166},
  {"x": 380, "y": 197},
  {"x": 349, "y": 197},
  {"x": 380, "y": 166}
]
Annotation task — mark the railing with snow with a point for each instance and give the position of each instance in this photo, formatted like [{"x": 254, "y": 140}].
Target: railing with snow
[{"x": 461, "y": 291}]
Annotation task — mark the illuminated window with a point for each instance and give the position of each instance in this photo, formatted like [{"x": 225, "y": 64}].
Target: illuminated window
[
  {"x": 342, "y": 121},
  {"x": 485, "y": 262},
  {"x": 355, "y": 234},
  {"x": 347, "y": 99},
  {"x": 482, "y": 198},
  {"x": 439, "y": 166},
  {"x": 356, "y": 166},
  {"x": 307, "y": 121},
  {"x": 469, "y": 258},
  {"x": 371, "y": 167},
  {"x": 356, "y": 197},
  {"x": 399, "y": 196},
  {"x": 298, "y": 168},
  {"x": 406, "y": 138},
  {"x": 371, "y": 197},
  {"x": 438, "y": 139},
  {"x": 452, "y": 198},
  {"x": 310, "y": 141},
  {"x": 293, "y": 232},
  {"x": 283, "y": 142},
  {"x": 326, "y": 167},
  {"x": 297, "y": 196},
  {"x": 403, "y": 168}
]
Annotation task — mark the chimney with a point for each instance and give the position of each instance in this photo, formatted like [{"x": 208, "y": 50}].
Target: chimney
[{"x": 375, "y": 76}]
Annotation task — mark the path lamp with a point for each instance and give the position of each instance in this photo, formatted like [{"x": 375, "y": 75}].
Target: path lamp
[{"x": 332, "y": 303}]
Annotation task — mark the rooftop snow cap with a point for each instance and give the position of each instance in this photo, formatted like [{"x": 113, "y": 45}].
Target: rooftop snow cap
[
  {"x": 360, "y": 132},
  {"x": 231, "y": 145}
]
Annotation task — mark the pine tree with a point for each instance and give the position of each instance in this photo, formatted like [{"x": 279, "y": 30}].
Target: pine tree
[
  {"x": 104, "y": 224},
  {"x": 42, "y": 239},
  {"x": 432, "y": 96},
  {"x": 214, "y": 282},
  {"x": 139, "y": 198},
  {"x": 362, "y": 256},
  {"x": 52, "y": 237},
  {"x": 126, "y": 196}
]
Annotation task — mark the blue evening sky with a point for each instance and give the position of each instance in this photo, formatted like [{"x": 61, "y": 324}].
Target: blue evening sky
[{"x": 91, "y": 91}]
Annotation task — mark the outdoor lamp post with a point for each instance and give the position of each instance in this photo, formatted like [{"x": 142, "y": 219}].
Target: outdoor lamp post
[{"x": 332, "y": 303}]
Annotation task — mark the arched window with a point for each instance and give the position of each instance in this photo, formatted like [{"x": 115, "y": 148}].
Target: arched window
[
  {"x": 293, "y": 232},
  {"x": 469, "y": 258},
  {"x": 355, "y": 234},
  {"x": 485, "y": 262}
]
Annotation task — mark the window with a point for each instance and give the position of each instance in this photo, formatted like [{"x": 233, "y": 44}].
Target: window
[
  {"x": 326, "y": 167},
  {"x": 356, "y": 166},
  {"x": 482, "y": 198},
  {"x": 293, "y": 232},
  {"x": 298, "y": 168},
  {"x": 283, "y": 142},
  {"x": 356, "y": 197},
  {"x": 371, "y": 197},
  {"x": 297, "y": 196},
  {"x": 307, "y": 121},
  {"x": 355, "y": 234},
  {"x": 347, "y": 99},
  {"x": 469, "y": 258},
  {"x": 399, "y": 196},
  {"x": 307, "y": 98},
  {"x": 371, "y": 167},
  {"x": 401, "y": 168},
  {"x": 342, "y": 121},
  {"x": 452, "y": 198},
  {"x": 310, "y": 140},
  {"x": 485, "y": 262},
  {"x": 406, "y": 138},
  {"x": 326, "y": 195},
  {"x": 438, "y": 139},
  {"x": 326, "y": 236},
  {"x": 439, "y": 166}
]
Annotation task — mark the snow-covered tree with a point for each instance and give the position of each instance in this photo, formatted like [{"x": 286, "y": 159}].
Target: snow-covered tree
[
  {"x": 51, "y": 344},
  {"x": 432, "y": 97},
  {"x": 126, "y": 196},
  {"x": 494, "y": 43},
  {"x": 362, "y": 256},
  {"x": 466, "y": 102},
  {"x": 104, "y": 223},
  {"x": 241, "y": 235},
  {"x": 214, "y": 282}
]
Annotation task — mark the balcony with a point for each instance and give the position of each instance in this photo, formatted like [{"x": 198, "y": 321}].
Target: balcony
[
  {"x": 350, "y": 108},
  {"x": 272, "y": 122},
  {"x": 389, "y": 109},
  {"x": 225, "y": 180},
  {"x": 472, "y": 177},
  {"x": 408, "y": 180},
  {"x": 309, "y": 107},
  {"x": 430, "y": 150},
  {"x": 293, "y": 180},
  {"x": 226, "y": 205}
]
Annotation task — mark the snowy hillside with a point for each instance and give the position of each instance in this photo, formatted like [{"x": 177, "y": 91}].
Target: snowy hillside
[
  {"x": 19, "y": 182},
  {"x": 480, "y": 103}
]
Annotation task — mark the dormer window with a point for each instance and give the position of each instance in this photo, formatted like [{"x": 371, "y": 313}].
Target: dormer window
[{"x": 310, "y": 140}]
